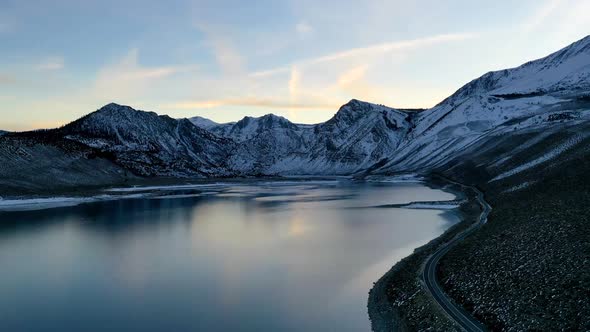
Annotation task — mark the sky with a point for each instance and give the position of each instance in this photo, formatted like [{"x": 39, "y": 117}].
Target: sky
[{"x": 225, "y": 59}]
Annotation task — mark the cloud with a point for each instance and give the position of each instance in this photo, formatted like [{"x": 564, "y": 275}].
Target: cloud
[
  {"x": 127, "y": 77},
  {"x": 320, "y": 83},
  {"x": 227, "y": 57},
  {"x": 545, "y": 11},
  {"x": 370, "y": 50},
  {"x": 294, "y": 83},
  {"x": 353, "y": 75},
  {"x": 390, "y": 47},
  {"x": 353, "y": 83},
  {"x": 51, "y": 63},
  {"x": 272, "y": 103},
  {"x": 270, "y": 72},
  {"x": 303, "y": 29}
]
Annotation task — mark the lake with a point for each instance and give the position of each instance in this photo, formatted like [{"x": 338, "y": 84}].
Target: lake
[{"x": 244, "y": 256}]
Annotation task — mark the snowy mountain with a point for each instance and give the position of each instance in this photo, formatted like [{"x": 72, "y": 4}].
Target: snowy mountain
[
  {"x": 203, "y": 122},
  {"x": 358, "y": 136},
  {"x": 149, "y": 144},
  {"x": 249, "y": 127},
  {"x": 526, "y": 104},
  {"x": 540, "y": 93}
]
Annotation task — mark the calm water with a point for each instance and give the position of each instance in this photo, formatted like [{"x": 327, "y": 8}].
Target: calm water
[{"x": 296, "y": 256}]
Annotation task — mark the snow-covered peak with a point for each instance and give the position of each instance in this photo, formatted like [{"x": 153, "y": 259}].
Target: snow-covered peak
[
  {"x": 123, "y": 120},
  {"x": 563, "y": 71},
  {"x": 356, "y": 111},
  {"x": 510, "y": 99},
  {"x": 357, "y": 107},
  {"x": 250, "y": 127},
  {"x": 203, "y": 122},
  {"x": 267, "y": 121},
  {"x": 114, "y": 109}
]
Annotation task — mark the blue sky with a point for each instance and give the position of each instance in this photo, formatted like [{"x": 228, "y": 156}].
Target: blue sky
[{"x": 61, "y": 59}]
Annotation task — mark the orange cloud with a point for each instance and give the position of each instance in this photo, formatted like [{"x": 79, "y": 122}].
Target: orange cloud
[{"x": 253, "y": 102}]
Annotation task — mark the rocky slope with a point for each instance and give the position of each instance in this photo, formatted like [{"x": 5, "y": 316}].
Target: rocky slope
[
  {"x": 203, "y": 122},
  {"x": 33, "y": 163},
  {"x": 359, "y": 136},
  {"x": 540, "y": 93},
  {"x": 150, "y": 145}
]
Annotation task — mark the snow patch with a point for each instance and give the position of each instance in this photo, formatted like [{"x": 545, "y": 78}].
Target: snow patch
[
  {"x": 434, "y": 206},
  {"x": 56, "y": 202},
  {"x": 548, "y": 156}
]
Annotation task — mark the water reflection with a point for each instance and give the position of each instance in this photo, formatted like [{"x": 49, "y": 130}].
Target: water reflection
[{"x": 251, "y": 256}]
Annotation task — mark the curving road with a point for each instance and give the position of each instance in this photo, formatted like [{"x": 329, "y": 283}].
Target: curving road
[{"x": 428, "y": 275}]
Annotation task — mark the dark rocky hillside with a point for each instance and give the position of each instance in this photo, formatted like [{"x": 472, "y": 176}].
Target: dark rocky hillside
[
  {"x": 529, "y": 267},
  {"x": 151, "y": 145},
  {"x": 34, "y": 162}
]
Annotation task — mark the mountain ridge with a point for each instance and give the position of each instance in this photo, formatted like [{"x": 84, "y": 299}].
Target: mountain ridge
[{"x": 361, "y": 137}]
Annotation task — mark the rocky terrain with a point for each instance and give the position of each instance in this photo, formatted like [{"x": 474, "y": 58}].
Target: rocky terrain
[
  {"x": 527, "y": 268},
  {"x": 144, "y": 144}
]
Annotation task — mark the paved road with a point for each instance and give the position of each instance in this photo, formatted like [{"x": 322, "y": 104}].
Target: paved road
[{"x": 457, "y": 313}]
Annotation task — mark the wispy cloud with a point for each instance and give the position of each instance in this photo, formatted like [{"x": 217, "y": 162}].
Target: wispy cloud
[
  {"x": 271, "y": 103},
  {"x": 227, "y": 57},
  {"x": 303, "y": 29},
  {"x": 353, "y": 75},
  {"x": 294, "y": 82},
  {"x": 270, "y": 72},
  {"x": 127, "y": 77},
  {"x": 375, "y": 49},
  {"x": 51, "y": 63},
  {"x": 319, "y": 83},
  {"x": 354, "y": 82},
  {"x": 541, "y": 15},
  {"x": 390, "y": 47}
]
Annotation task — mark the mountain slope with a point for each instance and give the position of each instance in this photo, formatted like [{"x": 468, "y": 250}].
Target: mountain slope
[
  {"x": 540, "y": 96},
  {"x": 149, "y": 144},
  {"x": 37, "y": 162},
  {"x": 358, "y": 136},
  {"x": 540, "y": 93},
  {"x": 203, "y": 122}
]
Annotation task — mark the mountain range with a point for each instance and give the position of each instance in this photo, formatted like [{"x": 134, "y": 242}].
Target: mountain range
[{"x": 117, "y": 143}]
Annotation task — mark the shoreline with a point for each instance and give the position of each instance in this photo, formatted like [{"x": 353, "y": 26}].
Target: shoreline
[
  {"x": 155, "y": 187},
  {"x": 382, "y": 314},
  {"x": 146, "y": 188},
  {"x": 400, "y": 291}
]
